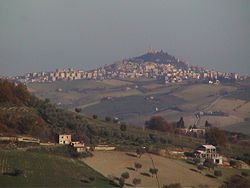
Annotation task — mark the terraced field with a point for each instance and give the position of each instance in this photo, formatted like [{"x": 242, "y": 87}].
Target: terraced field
[{"x": 46, "y": 170}]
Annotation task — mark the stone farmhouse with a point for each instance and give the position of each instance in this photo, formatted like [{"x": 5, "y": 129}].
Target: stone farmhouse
[
  {"x": 79, "y": 147},
  {"x": 64, "y": 139}
]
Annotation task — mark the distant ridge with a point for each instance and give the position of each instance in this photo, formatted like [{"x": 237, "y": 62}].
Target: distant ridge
[{"x": 161, "y": 58}]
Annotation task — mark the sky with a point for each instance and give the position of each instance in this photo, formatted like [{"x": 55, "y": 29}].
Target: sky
[{"x": 42, "y": 35}]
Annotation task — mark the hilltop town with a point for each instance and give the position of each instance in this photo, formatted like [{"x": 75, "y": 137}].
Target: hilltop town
[{"x": 153, "y": 65}]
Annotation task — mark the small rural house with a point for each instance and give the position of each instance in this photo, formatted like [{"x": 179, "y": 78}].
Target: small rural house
[
  {"x": 79, "y": 147},
  {"x": 208, "y": 152},
  {"x": 64, "y": 139}
]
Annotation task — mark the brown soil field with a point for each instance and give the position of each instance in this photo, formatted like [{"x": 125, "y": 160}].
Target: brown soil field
[
  {"x": 114, "y": 163},
  {"x": 195, "y": 92},
  {"x": 113, "y": 82}
]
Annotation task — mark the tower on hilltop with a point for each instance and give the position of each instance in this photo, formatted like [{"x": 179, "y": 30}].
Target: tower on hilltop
[{"x": 151, "y": 50}]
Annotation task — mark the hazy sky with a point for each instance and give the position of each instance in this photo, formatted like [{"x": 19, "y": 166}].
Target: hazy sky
[{"x": 41, "y": 35}]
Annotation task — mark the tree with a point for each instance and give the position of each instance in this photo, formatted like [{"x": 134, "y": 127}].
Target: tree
[
  {"x": 180, "y": 123},
  {"x": 78, "y": 110},
  {"x": 209, "y": 164},
  {"x": 107, "y": 118},
  {"x": 95, "y": 116},
  {"x": 215, "y": 137},
  {"x": 207, "y": 124},
  {"x": 125, "y": 175},
  {"x": 123, "y": 127},
  {"x": 159, "y": 123},
  {"x": 153, "y": 171},
  {"x": 140, "y": 152},
  {"x": 121, "y": 182},
  {"x": 137, "y": 166},
  {"x": 136, "y": 181}
]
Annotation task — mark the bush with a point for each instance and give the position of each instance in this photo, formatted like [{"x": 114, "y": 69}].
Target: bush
[
  {"x": 136, "y": 181},
  {"x": 123, "y": 127},
  {"x": 232, "y": 163},
  {"x": 218, "y": 173},
  {"x": 108, "y": 119},
  {"x": 125, "y": 175},
  {"x": 95, "y": 116},
  {"x": 209, "y": 164},
  {"x": 121, "y": 182},
  {"x": 137, "y": 166},
  {"x": 153, "y": 171}
]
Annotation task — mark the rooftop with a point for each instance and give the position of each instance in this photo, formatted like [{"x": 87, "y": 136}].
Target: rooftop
[{"x": 209, "y": 146}]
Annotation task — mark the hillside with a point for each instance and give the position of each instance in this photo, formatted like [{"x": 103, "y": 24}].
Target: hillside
[
  {"x": 42, "y": 170},
  {"x": 161, "y": 58},
  {"x": 135, "y": 101},
  {"x": 39, "y": 118}
]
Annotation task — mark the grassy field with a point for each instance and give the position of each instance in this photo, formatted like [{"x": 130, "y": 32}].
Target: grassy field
[
  {"x": 113, "y": 164},
  {"x": 43, "y": 170}
]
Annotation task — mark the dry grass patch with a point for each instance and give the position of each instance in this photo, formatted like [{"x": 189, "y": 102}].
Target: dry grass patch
[{"x": 113, "y": 164}]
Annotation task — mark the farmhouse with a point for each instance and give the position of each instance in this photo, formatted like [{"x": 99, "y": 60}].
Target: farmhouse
[
  {"x": 79, "y": 147},
  {"x": 64, "y": 139},
  {"x": 208, "y": 152}
]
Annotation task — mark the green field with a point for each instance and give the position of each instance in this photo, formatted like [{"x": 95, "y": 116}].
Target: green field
[{"x": 45, "y": 170}]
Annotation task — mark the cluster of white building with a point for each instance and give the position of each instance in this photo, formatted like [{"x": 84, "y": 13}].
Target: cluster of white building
[{"x": 167, "y": 73}]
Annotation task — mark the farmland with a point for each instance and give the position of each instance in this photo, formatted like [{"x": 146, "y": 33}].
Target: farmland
[
  {"x": 113, "y": 164},
  {"x": 46, "y": 170},
  {"x": 135, "y": 101}
]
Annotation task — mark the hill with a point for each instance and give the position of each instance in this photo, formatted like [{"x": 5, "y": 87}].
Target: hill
[
  {"x": 39, "y": 118},
  {"x": 161, "y": 58}
]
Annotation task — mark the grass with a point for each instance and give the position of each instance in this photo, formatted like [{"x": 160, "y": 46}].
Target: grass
[{"x": 46, "y": 170}]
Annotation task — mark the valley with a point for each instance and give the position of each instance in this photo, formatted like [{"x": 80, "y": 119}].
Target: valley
[{"x": 135, "y": 101}]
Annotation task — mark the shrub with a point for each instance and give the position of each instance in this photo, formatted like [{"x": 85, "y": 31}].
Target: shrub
[
  {"x": 136, "y": 181},
  {"x": 153, "y": 171},
  {"x": 137, "y": 166},
  {"x": 125, "y": 175},
  {"x": 123, "y": 127},
  {"x": 209, "y": 164},
  {"x": 232, "y": 163},
  {"x": 121, "y": 182},
  {"x": 108, "y": 119},
  {"x": 95, "y": 116}
]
